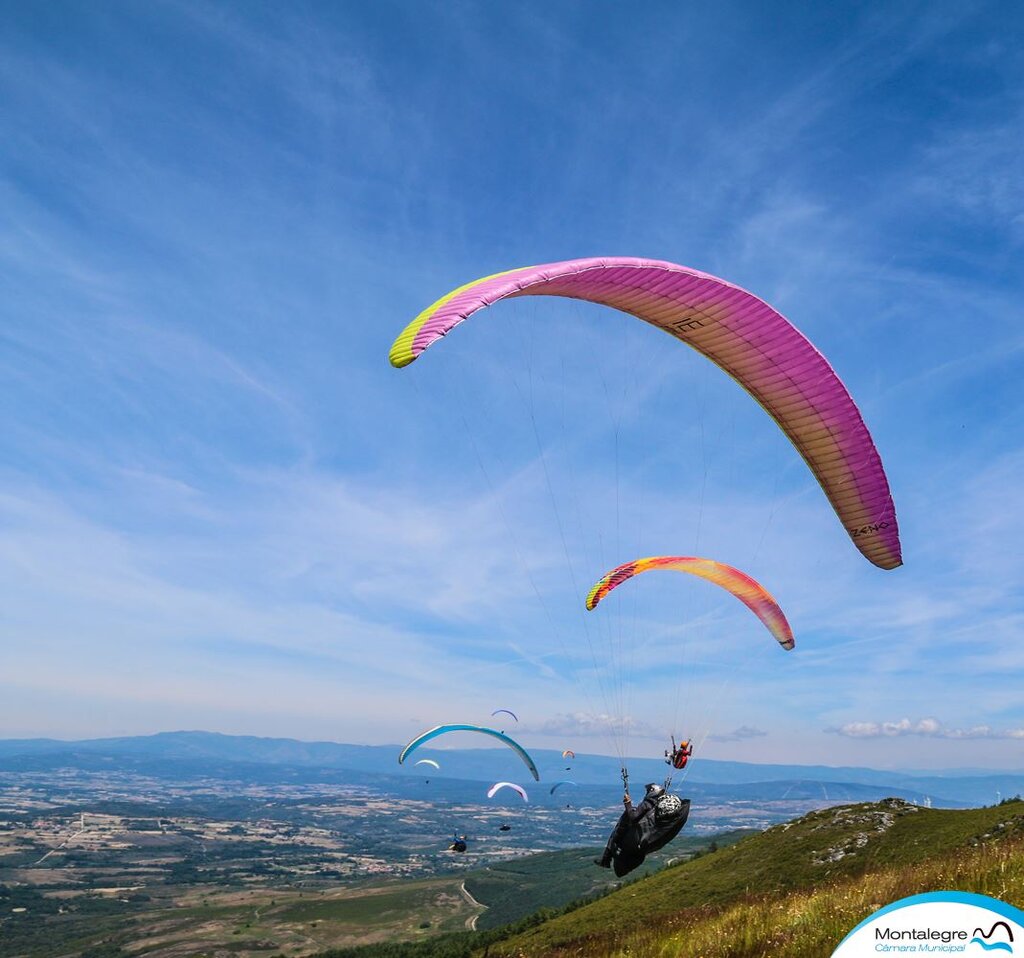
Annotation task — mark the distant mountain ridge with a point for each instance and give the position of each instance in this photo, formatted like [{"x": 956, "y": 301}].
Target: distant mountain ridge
[{"x": 214, "y": 749}]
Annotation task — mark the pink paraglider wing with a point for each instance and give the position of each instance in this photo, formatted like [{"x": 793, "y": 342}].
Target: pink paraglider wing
[{"x": 768, "y": 356}]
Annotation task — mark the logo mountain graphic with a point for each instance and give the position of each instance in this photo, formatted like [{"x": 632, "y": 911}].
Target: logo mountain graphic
[{"x": 988, "y": 945}]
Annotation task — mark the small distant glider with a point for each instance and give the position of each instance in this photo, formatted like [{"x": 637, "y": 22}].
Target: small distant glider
[{"x": 497, "y": 787}]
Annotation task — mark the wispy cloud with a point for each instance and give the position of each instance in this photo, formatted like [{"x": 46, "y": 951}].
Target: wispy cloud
[
  {"x": 588, "y": 725},
  {"x": 741, "y": 734},
  {"x": 969, "y": 169},
  {"x": 926, "y": 728}
]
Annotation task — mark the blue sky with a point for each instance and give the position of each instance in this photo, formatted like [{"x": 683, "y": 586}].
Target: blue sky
[{"x": 222, "y": 508}]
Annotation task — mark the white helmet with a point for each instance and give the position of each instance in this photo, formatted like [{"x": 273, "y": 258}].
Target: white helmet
[{"x": 668, "y": 806}]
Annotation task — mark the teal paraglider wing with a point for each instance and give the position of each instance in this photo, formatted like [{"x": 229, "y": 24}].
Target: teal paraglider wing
[{"x": 493, "y": 733}]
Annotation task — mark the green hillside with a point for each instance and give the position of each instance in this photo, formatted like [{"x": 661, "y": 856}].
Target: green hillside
[
  {"x": 807, "y": 923},
  {"x": 823, "y": 848},
  {"x": 524, "y": 891},
  {"x": 514, "y": 889},
  {"x": 791, "y": 891}
]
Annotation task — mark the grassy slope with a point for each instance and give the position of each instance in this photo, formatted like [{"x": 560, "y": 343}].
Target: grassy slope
[
  {"x": 514, "y": 889},
  {"x": 809, "y": 924},
  {"x": 823, "y": 847}
]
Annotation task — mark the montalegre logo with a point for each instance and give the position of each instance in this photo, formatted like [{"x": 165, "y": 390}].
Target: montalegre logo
[{"x": 939, "y": 923}]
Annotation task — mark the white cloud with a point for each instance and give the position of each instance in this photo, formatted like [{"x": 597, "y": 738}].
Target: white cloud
[
  {"x": 588, "y": 724},
  {"x": 971, "y": 170},
  {"x": 926, "y": 728},
  {"x": 741, "y": 734}
]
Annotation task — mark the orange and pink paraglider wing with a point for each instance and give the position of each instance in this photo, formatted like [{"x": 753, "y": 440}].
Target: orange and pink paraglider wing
[{"x": 749, "y": 591}]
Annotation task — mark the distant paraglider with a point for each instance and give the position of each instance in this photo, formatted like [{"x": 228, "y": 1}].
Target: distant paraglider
[
  {"x": 433, "y": 733},
  {"x": 679, "y": 756},
  {"x": 558, "y": 785},
  {"x": 428, "y": 761},
  {"x": 507, "y": 712},
  {"x": 494, "y": 789}
]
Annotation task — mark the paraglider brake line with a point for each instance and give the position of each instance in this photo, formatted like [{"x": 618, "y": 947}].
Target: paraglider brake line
[{"x": 625, "y": 780}]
